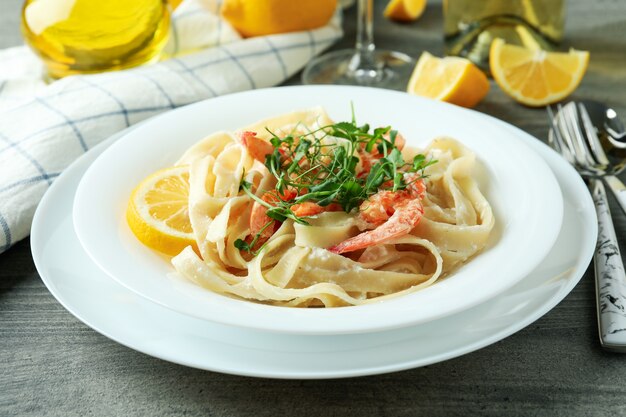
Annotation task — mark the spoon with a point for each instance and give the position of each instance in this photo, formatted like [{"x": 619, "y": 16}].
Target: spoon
[
  {"x": 605, "y": 119},
  {"x": 614, "y": 126},
  {"x": 612, "y": 136}
]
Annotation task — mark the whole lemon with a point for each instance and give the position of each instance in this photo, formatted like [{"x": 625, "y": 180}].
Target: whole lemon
[{"x": 266, "y": 17}]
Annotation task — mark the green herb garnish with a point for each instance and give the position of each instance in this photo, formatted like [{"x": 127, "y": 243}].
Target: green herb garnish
[{"x": 323, "y": 170}]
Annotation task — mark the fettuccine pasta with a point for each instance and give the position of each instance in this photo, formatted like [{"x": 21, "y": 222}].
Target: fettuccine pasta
[{"x": 423, "y": 220}]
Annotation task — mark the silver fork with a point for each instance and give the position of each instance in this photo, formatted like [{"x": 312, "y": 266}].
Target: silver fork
[{"x": 588, "y": 158}]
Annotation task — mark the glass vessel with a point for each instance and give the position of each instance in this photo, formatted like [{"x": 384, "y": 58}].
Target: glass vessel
[
  {"x": 471, "y": 25},
  {"x": 88, "y": 36},
  {"x": 364, "y": 65}
]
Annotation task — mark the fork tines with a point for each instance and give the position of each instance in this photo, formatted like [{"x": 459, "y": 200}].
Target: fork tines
[{"x": 574, "y": 136}]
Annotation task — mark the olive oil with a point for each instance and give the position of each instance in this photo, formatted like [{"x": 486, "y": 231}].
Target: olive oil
[
  {"x": 471, "y": 25},
  {"x": 88, "y": 36}
]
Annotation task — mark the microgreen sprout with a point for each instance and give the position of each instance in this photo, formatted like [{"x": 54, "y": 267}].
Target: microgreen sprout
[{"x": 328, "y": 166}]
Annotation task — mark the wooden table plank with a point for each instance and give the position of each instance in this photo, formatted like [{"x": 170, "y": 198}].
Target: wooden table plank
[{"x": 52, "y": 364}]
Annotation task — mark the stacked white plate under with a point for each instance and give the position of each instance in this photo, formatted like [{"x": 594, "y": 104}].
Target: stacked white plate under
[{"x": 88, "y": 258}]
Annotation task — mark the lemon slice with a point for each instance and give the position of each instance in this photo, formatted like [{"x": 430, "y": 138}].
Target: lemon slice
[
  {"x": 451, "y": 79},
  {"x": 405, "y": 10},
  {"x": 535, "y": 77},
  {"x": 158, "y": 213}
]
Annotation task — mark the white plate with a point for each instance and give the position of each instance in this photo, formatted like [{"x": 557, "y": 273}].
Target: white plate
[
  {"x": 521, "y": 188},
  {"x": 101, "y": 303}
]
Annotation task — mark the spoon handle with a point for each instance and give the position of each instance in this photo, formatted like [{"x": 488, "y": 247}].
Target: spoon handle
[
  {"x": 618, "y": 188},
  {"x": 610, "y": 276}
]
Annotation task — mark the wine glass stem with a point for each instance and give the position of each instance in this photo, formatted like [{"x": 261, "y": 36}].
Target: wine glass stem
[{"x": 364, "y": 58}]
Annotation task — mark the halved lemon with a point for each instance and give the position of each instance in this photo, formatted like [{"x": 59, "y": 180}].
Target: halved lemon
[
  {"x": 158, "y": 213},
  {"x": 267, "y": 17},
  {"x": 535, "y": 77},
  {"x": 404, "y": 10},
  {"x": 451, "y": 79}
]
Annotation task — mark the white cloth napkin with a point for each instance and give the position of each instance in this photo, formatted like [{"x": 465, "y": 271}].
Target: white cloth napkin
[{"x": 43, "y": 128}]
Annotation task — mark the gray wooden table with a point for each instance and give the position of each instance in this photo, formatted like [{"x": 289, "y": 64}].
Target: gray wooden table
[{"x": 52, "y": 364}]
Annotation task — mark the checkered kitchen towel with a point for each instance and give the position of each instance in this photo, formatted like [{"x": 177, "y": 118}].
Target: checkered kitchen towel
[{"x": 43, "y": 128}]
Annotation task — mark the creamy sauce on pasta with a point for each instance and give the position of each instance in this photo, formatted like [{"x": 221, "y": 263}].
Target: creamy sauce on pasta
[{"x": 294, "y": 267}]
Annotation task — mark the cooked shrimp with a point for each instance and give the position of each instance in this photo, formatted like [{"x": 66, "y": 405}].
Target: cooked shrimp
[
  {"x": 405, "y": 217},
  {"x": 378, "y": 208},
  {"x": 256, "y": 147},
  {"x": 309, "y": 208},
  {"x": 393, "y": 213},
  {"x": 415, "y": 185},
  {"x": 306, "y": 209},
  {"x": 258, "y": 217},
  {"x": 370, "y": 158},
  {"x": 259, "y": 148},
  {"x": 367, "y": 160}
]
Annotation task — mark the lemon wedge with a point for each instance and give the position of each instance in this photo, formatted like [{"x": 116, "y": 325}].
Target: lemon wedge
[
  {"x": 450, "y": 79},
  {"x": 267, "y": 17},
  {"x": 404, "y": 10},
  {"x": 535, "y": 77}
]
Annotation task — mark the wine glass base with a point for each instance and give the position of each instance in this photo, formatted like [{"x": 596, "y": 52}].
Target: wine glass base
[{"x": 391, "y": 70}]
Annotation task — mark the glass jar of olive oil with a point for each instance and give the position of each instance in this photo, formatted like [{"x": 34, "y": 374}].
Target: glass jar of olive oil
[{"x": 89, "y": 36}]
